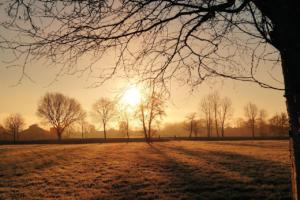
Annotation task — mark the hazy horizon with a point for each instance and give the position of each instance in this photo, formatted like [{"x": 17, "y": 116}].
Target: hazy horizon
[{"x": 23, "y": 98}]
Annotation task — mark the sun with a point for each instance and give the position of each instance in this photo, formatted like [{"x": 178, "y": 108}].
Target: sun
[{"x": 132, "y": 96}]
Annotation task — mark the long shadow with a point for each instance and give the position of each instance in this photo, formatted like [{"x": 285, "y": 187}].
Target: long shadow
[
  {"x": 247, "y": 144},
  {"x": 267, "y": 179}
]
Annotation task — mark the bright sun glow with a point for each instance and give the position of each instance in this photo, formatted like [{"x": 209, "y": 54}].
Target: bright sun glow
[{"x": 132, "y": 96}]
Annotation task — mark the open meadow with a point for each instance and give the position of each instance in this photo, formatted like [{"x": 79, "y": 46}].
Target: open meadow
[{"x": 161, "y": 170}]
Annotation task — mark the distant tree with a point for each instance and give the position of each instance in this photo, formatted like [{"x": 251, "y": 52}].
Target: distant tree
[
  {"x": 70, "y": 131},
  {"x": 89, "y": 128},
  {"x": 196, "y": 127},
  {"x": 124, "y": 127},
  {"x": 125, "y": 115},
  {"x": 14, "y": 124},
  {"x": 191, "y": 123},
  {"x": 150, "y": 110},
  {"x": 175, "y": 128},
  {"x": 251, "y": 112},
  {"x": 225, "y": 112},
  {"x": 262, "y": 124},
  {"x": 104, "y": 110},
  {"x": 84, "y": 127},
  {"x": 240, "y": 122},
  {"x": 2, "y": 129},
  {"x": 279, "y": 124},
  {"x": 59, "y": 111},
  {"x": 215, "y": 101},
  {"x": 206, "y": 108}
]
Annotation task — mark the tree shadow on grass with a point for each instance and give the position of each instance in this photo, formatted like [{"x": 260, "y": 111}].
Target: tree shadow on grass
[
  {"x": 265, "y": 179},
  {"x": 265, "y": 145}
]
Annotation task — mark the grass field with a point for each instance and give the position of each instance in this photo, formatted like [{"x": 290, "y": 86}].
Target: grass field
[{"x": 162, "y": 170}]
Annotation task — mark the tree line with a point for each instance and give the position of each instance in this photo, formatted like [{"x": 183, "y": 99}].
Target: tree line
[
  {"x": 62, "y": 112},
  {"x": 217, "y": 111},
  {"x": 213, "y": 119}
]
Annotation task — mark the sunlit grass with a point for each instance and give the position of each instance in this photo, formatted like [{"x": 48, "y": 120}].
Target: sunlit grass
[{"x": 166, "y": 170}]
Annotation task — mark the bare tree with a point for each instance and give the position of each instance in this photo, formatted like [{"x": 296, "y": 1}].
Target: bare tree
[
  {"x": 262, "y": 124},
  {"x": 251, "y": 112},
  {"x": 187, "y": 37},
  {"x": 104, "y": 110},
  {"x": 206, "y": 108},
  {"x": 124, "y": 128},
  {"x": 59, "y": 111},
  {"x": 215, "y": 99},
  {"x": 279, "y": 124},
  {"x": 196, "y": 128},
  {"x": 150, "y": 110},
  {"x": 225, "y": 112},
  {"x": 84, "y": 127},
  {"x": 125, "y": 115},
  {"x": 191, "y": 120},
  {"x": 14, "y": 124}
]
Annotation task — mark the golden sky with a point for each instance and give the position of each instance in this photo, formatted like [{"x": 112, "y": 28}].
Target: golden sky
[{"x": 24, "y": 97}]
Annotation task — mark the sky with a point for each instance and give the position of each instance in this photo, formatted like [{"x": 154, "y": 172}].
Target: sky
[{"x": 23, "y": 98}]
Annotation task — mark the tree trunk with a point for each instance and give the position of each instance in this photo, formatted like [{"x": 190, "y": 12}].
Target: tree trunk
[
  {"x": 253, "y": 129},
  {"x": 145, "y": 130},
  {"x": 149, "y": 132},
  {"x": 208, "y": 129},
  {"x": 292, "y": 93},
  {"x": 191, "y": 129},
  {"x": 127, "y": 128},
  {"x": 285, "y": 37},
  {"x": 59, "y": 135},
  {"x": 127, "y": 133},
  {"x": 104, "y": 130},
  {"x": 217, "y": 127},
  {"x": 14, "y": 135},
  {"x": 81, "y": 131},
  {"x": 222, "y": 130},
  {"x": 59, "y": 132}
]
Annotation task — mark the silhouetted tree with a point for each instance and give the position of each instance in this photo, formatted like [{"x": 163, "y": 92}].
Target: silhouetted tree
[
  {"x": 215, "y": 99},
  {"x": 251, "y": 112},
  {"x": 279, "y": 124},
  {"x": 240, "y": 123},
  {"x": 191, "y": 121},
  {"x": 225, "y": 112},
  {"x": 104, "y": 109},
  {"x": 150, "y": 110},
  {"x": 206, "y": 108},
  {"x": 262, "y": 124},
  {"x": 125, "y": 115},
  {"x": 84, "y": 127},
  {"x": 196, "y": 127},
  {"x": 59, "y": 111},
  {"x": 124, "y": 128},
  {"x": 14, "y": 124},
  {"x": 2, "y": 129},
  {"x": 181, "y": 35}
]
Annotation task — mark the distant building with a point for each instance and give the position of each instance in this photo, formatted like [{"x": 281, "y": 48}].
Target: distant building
[
  {"x": 4, "y": 135},
  {"x": 53, "y": 131},
  {"x": 34, "y": 132}
]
